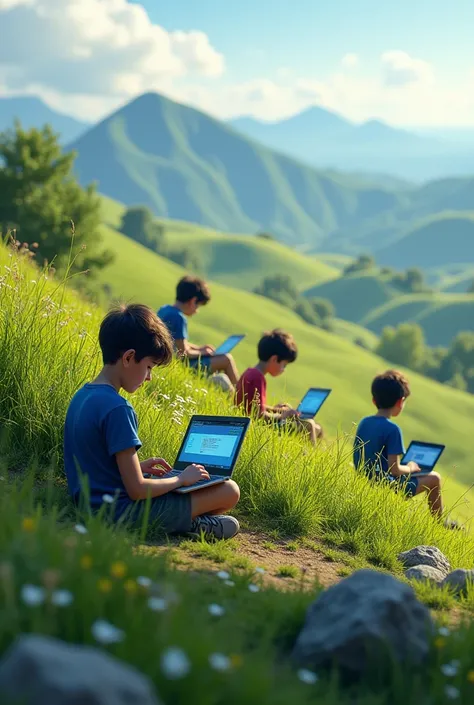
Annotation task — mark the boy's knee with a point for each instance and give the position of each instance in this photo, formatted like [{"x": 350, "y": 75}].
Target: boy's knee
[{"x": 232, "y": 492}]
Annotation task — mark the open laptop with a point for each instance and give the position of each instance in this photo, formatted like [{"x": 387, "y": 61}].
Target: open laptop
[
  {"x": 426, "y": 455},
  {"x": 312, "y": 402},
  {"x": 212, "y": 441},
  {"x": 229, "y": 344}
]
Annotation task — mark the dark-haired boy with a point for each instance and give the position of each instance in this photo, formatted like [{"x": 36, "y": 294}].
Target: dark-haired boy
[
  {"x": 191, "y": 294},
  {"x": 378, "y": 445},
  {"x": 101, "y": 437},
  {"x": 276, "y": 349}
]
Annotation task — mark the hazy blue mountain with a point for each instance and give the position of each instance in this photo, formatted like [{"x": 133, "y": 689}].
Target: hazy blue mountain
[
  {"x": 186, "y": 165},
  {"x": 32, "y": 112},
  {"x": 327, "y": 140}
]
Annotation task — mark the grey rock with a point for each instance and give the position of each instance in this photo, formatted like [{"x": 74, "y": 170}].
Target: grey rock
[
  {"x": 459, "y": 580},
  {"x": 425, "y": 555},
  {"x": 39, "y": 670},
  {"x": 362, "y": 623},
  {"x": 425, "y": 572}
]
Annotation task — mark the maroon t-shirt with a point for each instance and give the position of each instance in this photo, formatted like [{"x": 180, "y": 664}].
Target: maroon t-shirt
[{"x": 252, "y": 391}]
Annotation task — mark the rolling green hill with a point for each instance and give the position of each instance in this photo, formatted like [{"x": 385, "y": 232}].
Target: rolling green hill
[
  {"x": 325, "y": 359},
  {"x": 442, "y": 316},
  {"x": 186, "y": 165}
]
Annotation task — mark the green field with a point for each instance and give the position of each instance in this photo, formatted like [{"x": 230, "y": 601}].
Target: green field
[{"x": 435, "y": 411}]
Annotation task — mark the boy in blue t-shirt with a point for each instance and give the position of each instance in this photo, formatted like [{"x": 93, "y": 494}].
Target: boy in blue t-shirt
[
  {"x": 378, "y": 445},
  {"x": 191, "y": 293},
  {"x": 101, "y": 437}
]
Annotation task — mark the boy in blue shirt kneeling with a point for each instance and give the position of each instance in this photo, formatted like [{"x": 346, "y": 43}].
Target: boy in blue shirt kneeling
[
  {"x": 101, "y": 439},
  {"x": 378, "y": 446}
]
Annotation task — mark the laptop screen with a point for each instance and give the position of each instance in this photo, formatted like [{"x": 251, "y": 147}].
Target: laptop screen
[
  {"x": 313, "y": 401},
  {"x": 229, "y": 344},
  {"x": 212, "y": 444},
  {"x": 425, "y": 455}
]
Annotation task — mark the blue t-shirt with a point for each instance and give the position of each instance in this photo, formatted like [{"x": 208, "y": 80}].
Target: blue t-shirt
[
  {"x": 175, "y": 321},
  {"x": 99, "y": 424},
  {"x": 376, "y": 439}
]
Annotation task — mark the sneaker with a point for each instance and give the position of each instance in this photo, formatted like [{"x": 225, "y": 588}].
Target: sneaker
[
  {"x": 221, "y": 526},
  {"x": 451, "y": 524}
]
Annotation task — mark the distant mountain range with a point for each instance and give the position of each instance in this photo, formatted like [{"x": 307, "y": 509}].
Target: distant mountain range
[
  {"x": 184, "y": 164},
  {"x": 328, "y": 140},
  {"x": 32, "y": 112}
]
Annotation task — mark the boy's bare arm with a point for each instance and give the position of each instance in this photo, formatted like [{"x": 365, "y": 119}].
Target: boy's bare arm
[
  {"x": 397, "y": 469},
  {"x": 193, "y": 351},
  {"x": 139, "y": 487}
]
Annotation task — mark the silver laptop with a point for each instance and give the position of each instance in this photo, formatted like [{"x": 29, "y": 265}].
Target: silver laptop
[
  {"x": 229, "y": 344},
  {"x": 215, "y": 443},
  {"x": 312, "y": 402}
]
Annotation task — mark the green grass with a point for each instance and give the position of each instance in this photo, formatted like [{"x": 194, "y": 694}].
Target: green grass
[
  {"x": 288, "y": 571},
  {"x": 434, "y": 411}
]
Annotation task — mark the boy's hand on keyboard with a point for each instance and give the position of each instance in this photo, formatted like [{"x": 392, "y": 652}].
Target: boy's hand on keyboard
[
  {"x": 193, "y": 474},
  {"x": 414, "y": 467},
  {"x": 155, "y": 466},
  {"x": 286, "y": 413}
]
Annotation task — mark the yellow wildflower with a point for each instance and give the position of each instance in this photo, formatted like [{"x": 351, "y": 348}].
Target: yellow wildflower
[
  {"x": 236, "y": 660},
  {"x": 29, "y": 524},
  {"x": 470, "y": 676},
  {"x": 86, "y": 562},
  {"x": 439, "y": 642},
  {"x": 130, "y": 586},
  {"x": 104, "y": 585},
  {"x": 118, "y": 569}
]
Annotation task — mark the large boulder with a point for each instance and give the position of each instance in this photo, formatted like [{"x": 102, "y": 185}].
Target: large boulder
[
  {"x": 425, "y": 555},
  {"x": 459, "y": 580},
  {"x": 363, "y": 622},
  {"x": 40, "y": 670},
  {"x": 425, "y": 572}
]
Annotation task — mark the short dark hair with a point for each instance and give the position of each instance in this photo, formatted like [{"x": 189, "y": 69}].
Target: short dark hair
[
  {"x": 134, "y": 327},
  {"x": 388, "y": 388},
  {"x": 279, "y": 343},
  {"x": 190, "y": 287}
]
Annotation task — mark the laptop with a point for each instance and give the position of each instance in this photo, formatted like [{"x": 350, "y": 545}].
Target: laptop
[
  {"x": 212, "y": 441},
  {"x": 426, "y": 455},
  {"x": 312, "y": 402},
  {"x": 229, "y": 344}
]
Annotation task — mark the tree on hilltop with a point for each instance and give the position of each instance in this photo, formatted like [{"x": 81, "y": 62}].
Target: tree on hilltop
[{"x": 40, "y": 199}]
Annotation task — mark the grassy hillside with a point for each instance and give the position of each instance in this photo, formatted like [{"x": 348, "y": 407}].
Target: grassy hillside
[
  {"x": 324, "y": 359},
  {"x": 442, "y": 316},
  {"x": 354, "y": 296},
  {"x": 447, "y": 238},
  {"x": 188, "y": 166}
]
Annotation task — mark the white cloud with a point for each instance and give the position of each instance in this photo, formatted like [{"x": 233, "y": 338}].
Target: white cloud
[
  {"x": 96, "y": 47},
  {"x": 401, "y": 69},
  {"x": 349, "y": 61}
]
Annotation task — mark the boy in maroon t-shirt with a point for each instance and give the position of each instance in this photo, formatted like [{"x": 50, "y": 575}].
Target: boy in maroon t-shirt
[{"x": 275, "y": 351}]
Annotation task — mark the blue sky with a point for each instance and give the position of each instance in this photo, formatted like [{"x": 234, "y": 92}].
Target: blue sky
[{"x": 408, "y": 62}]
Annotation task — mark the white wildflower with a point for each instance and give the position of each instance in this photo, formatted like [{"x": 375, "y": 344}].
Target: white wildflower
[
  {"x": 62, "y": 598},
  {"x": 260, "y": 570},
  {"x": 444, "y": 631},
  {"x": 307, "y": 676},
  {"x": 32, "y": 595},
  {"x": 106, "y": 633},
  {"x": 219, "y": 662},
  {"x": 216, "y": 610},
  {"x": 143, "y": 581},
  {"x": 174, "y": 663},
  {"x": 80, "y": 529},
  {"x": 450, "y": 669},
  {"x": 254, "y": 588},
  {"x": 229, "y": 583},
  {"x": 223, "y": 575},
  {"x": 451, "y": 692},
  {"x": 107, "y": 498},
  {"x": 157, "y": 604}
]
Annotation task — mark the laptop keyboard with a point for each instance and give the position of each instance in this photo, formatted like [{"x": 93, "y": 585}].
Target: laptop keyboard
[{"x": 174, "y": 473}]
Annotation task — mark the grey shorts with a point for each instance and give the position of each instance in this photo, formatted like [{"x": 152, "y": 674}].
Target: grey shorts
[{"x": 170, "y": 513}]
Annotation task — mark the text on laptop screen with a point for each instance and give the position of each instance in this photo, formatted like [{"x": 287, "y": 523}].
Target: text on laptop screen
[
  {"x": 211, "y": 445},
  {"x": 312, "y": 401},
  {"x": 228, "y": 344},
  {"x": 423, "y": 455}
]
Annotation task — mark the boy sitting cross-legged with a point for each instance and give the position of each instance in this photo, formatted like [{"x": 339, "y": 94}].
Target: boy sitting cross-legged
[
  {"x": 378, "y": 446},
  {"x": 101, "y": 439},
  {"x": 276, "y": 350},
  {"x": 191, "y": 294}
]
